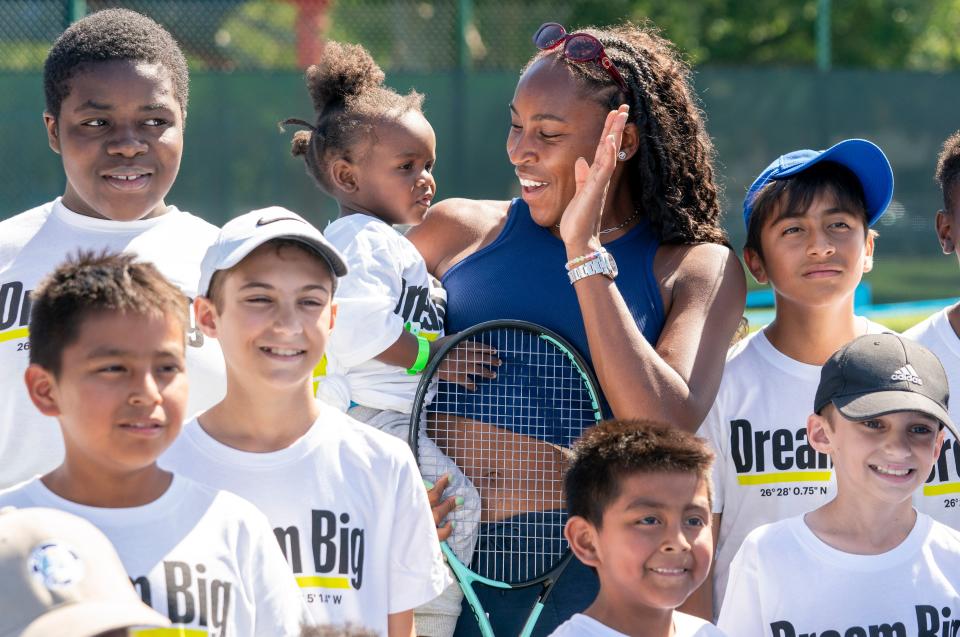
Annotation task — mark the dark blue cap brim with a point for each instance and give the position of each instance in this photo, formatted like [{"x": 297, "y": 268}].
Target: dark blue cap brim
[{"x": 862, "y": 157}]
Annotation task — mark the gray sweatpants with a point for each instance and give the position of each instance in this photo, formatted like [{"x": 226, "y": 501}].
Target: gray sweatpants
[{"x": 437, "y": 618}]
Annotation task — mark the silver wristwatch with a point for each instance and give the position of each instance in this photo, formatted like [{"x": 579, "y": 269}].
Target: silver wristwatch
[{"x": 603, "y": 264}]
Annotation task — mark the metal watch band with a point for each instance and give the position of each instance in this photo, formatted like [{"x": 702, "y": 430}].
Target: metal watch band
[{"x": 603, "y": 264}]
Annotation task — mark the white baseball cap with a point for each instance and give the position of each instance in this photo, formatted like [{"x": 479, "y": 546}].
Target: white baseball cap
[
  {"x": 61, "y": 576},
  {"x": 244, "y": 234}
]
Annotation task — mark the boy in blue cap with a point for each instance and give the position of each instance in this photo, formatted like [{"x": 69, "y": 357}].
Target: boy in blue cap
[{"x": 807, "y": 216}]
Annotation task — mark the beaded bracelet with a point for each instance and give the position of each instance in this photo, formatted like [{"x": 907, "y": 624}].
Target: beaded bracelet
[
  {"x": 423, "y": 355},
  {"x": 575, "y": 261}
]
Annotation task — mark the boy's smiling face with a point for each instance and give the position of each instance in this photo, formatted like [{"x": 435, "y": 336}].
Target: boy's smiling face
[
  {"x": 121, "y": 393},
  {"x": 655, "y": 545},
  {"x": 120, "y": 135},
  {"x": 813, "y": 257},
  {"x": 885, "y": 458},
  {"x": 276, "y": 313}
]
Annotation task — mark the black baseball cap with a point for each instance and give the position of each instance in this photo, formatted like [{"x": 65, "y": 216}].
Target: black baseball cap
[{"x": 880, "y": 374}]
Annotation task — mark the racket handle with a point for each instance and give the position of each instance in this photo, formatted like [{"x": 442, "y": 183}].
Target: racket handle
[{"x": 532, "y": 620}]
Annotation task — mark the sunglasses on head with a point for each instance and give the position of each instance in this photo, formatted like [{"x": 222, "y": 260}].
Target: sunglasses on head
[{"x": 577, "y": 47}]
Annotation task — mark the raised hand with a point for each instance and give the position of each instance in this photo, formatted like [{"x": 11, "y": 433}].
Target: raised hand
[{"x": 580, "y": 223}]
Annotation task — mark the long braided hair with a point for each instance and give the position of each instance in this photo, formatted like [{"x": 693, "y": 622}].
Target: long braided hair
[{"x": 671, "y": 175}]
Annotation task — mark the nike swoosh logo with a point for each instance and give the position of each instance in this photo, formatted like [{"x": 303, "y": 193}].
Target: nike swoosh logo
[{"x": 264, "y": 221}]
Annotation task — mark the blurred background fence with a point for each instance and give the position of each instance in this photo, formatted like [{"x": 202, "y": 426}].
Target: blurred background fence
[{"x": 772, "y": 76}]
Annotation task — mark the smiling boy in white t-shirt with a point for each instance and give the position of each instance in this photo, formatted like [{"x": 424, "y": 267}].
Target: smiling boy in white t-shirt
[
  {"x": 346, "y": 501},
  {"x": 866, "y": 562},
  {"x": 638, "y": 495},
  {"x": 107, "y": 360}
]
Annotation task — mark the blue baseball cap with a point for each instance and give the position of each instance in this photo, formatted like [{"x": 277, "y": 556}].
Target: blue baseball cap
[{"x": 863, "y": 158}]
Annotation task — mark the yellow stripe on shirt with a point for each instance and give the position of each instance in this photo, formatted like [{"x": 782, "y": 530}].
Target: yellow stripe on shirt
[
  {"x": 12, "y": 335},
  {"x": 788, "y": 476},
  {"x": 323, "y": 582},
  {"x": 942, "y": 489}
]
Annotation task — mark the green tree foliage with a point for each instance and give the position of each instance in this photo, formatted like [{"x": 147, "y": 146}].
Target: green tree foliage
[{"x": 876, "y": 34}]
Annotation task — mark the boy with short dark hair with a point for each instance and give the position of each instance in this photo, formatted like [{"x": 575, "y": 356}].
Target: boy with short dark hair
[
  {"x": 638, "y": 495},
  {"x": 346, "y": 501},
  {"x": 108, "y": 338},
  {"x": 808, "y": 216},
  {"x": 940, "y": 496},
  {"x": 116, "y": 89},
  {"x": 866, "y": 562}
]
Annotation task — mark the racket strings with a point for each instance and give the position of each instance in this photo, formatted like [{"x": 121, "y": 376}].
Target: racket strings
[{"x": 511, "y": 438}]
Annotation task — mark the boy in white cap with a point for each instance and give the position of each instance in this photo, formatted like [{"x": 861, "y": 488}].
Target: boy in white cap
[
  {"x": 346, "y": 501},
  {"x": 807, "y": 216},
  {"x": 866, "y": 562},
  {"x": 61, "y": 576},
  {"x": 107, "y": 360}
]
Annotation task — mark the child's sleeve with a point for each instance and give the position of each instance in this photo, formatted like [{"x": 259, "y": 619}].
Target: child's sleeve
[
  {"x": 417, "y": 570},
  {"x": 279, "y": 604},
  {"x": 366, "y": 323},
  {"x": 741, "y": 613}
]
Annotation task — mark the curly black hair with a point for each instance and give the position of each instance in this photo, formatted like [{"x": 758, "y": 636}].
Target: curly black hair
[
  {"x": 671, "y": 176},
  {"x": 617, "y": 449},
  {"x": 948, "y": 168},
  {"x": 350, "y": 99},
  {"x": 112, "y": 34}
]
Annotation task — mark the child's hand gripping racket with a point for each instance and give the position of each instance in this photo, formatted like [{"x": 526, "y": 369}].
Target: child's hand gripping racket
[{"x": 509, "y": 428}]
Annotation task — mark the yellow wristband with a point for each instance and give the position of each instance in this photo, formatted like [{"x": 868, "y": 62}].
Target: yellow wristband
[{"x": 423, "y": 355}]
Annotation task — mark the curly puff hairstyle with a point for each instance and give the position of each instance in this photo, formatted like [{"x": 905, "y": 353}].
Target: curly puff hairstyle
[
  {"x": 104, "y": 36},
  {"x": 948, "y": 168},
  {"x": 350, "y": 100},
  {"x": 616, "y": 449},
  {"x": 671, "y": 176}
]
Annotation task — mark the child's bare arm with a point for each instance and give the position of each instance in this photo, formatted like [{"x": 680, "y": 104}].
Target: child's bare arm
[{"x": 400, "y": 624}]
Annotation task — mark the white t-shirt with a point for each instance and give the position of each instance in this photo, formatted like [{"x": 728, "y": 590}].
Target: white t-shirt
[
  {"x": 684, "y": 626},
  {"x": 786, "y": 582},
  {"x": 765, "y": 469},
  {"x": 32, "y": 244},
  {"x": 940, "y": 496},
  {"x": 346, "y": 503},
  {"x": 387, "y": 287},
  {"x": 204, "y": 558}
]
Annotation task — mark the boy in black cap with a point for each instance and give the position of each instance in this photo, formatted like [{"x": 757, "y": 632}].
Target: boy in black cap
[{"x": 865, "y": 563}]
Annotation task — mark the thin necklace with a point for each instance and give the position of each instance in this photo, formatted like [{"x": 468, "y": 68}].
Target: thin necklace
[{"x": 626, "y": 222}]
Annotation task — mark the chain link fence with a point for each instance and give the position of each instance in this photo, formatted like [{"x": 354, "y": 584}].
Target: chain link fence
[{"x": 233, "y": 35}]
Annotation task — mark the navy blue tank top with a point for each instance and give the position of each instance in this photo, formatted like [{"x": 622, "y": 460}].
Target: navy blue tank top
[{"x": 520, "y": 275}]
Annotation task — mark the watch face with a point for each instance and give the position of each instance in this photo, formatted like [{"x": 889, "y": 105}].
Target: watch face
[{"x": 611, "y": 269}]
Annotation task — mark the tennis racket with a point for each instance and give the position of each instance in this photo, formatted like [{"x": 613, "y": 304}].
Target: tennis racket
[{"x": 511, "y": 437}]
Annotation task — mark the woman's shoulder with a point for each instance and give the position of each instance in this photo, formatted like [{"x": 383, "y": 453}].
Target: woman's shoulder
[
  {"x": 455, "y": 228},
  {"x": 698, "y": 265}
]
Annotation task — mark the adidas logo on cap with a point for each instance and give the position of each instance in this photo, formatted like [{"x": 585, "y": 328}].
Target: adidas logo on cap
[{"x": 908, "y": 373}]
